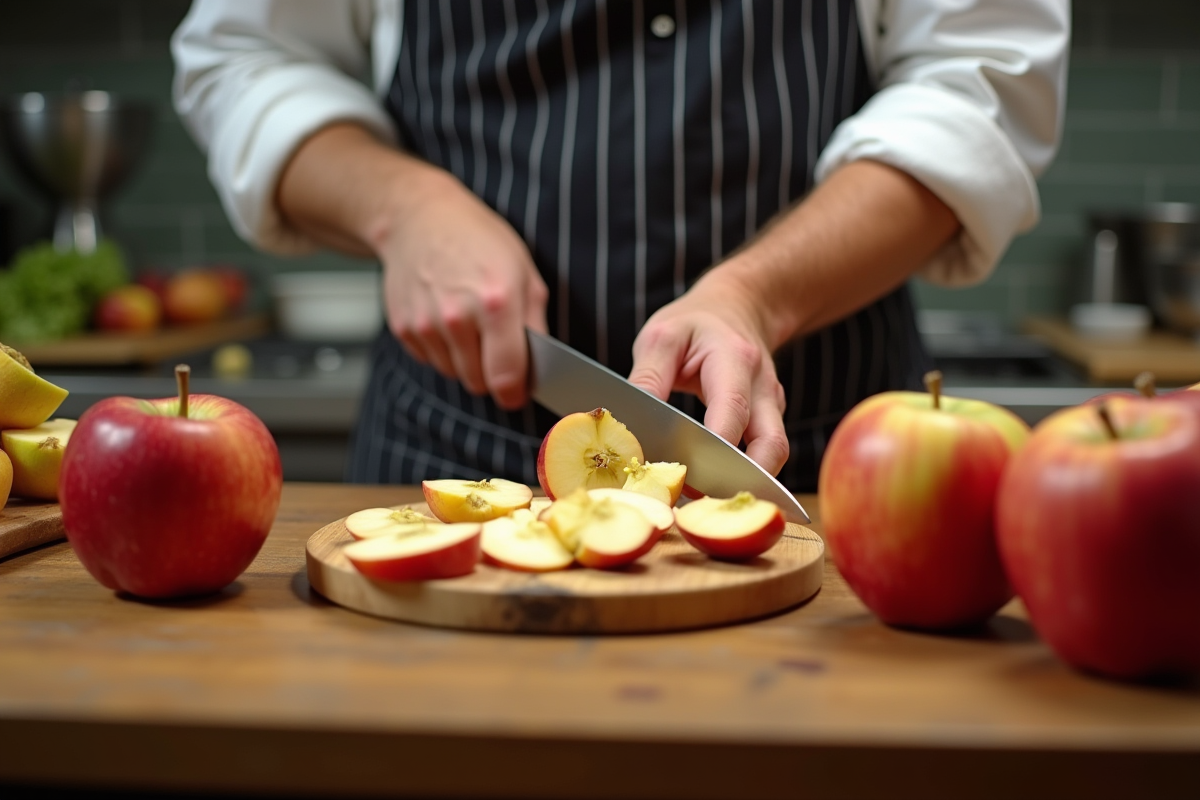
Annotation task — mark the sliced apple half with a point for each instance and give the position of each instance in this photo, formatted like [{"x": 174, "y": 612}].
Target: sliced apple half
[
  {"x": 602, "y": 533},
  {"x": 734, "y": 529},
  {"x": 36, "y": 454},
  {"x": 522, "y": 542},
  {"x": 454, "y": 500},
  {"x": 662, "y": 480},
  {"x": 26, "y": 399},
  {"x": 418, "y": 552},
  {"x": 372, "y": 522},
  {"x": 587, "y": 449}
]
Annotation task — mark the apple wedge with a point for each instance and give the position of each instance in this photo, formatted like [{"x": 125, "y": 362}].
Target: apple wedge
[
  {"x": 602, "y": 534},
  {"x": 26, "y": 399},
  {"x": 588, "y": 449},
  {"x": 36, "y": 454},
  {"x": 418, "y": 552},
  {"x": 454, "y": 500},
  {"x": 521, "y": 542},
  {"x": 659, "y": 513},
  {"x": 662, "y": 480},
  {"x": 734, "y": 529},
  {"x": 372, "y": 522}
]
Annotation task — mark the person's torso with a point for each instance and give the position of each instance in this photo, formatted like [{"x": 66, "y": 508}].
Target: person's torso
[{"x": 635, "y": 144}]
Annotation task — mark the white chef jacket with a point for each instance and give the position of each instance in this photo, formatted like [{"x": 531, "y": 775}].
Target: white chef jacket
[{"x": 970, "y": 103}]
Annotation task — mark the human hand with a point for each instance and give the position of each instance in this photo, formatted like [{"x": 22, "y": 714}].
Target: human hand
[
  {"x": 711, "y": 343},
  {"x": 460, "y": 288}
]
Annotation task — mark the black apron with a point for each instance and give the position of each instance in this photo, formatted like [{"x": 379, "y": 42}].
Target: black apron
[{"x": 632, "y": 145}]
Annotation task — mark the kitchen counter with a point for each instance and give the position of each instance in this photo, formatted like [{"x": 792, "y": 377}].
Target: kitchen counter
[{"x": 267, "y": 687}]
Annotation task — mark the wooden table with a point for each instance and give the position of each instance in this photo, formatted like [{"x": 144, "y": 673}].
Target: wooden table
[{"x": 269, "y": 688}]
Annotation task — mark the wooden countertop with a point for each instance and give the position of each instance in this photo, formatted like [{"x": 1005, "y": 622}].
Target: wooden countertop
[{"x": 267, "y": 687}]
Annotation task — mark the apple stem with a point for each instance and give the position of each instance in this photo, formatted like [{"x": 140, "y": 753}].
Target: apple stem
[
  {"x": 1144, "y": 383},
  {"x": 182, "y": 373},
  {"x": 933, "y": 384},
  {"x": 1106, "y": 419}
]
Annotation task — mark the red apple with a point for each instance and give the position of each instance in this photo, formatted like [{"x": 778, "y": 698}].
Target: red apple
[
  {"x": 235, "y": 285},
  {"x": 171, "y": 497},
  {"x": 907, "y": 489},
  {"x": 155, "y": 280},
  {"x": 733, "y": 529},
  {"x": 587, "y": 449},
  {"x": 194, "y": 296},
  {"x": 1099, "y": 529},
  {"x": 128, "y": 308},
  {"x": 418, "y": 552}
]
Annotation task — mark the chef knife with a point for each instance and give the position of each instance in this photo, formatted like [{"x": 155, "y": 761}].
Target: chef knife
[{"x": 566, "y": 381}]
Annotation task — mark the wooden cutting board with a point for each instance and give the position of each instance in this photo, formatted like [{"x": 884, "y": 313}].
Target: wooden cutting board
[
  {"x": 25, "y": 524},
  {"x": 113, "y": 348},
  {"x": 1172, "y": 358},
  {"x": 673, "y": 587}
]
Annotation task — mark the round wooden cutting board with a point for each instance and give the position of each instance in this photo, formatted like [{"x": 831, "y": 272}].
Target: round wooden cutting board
[{"x": 673, "y": 587}]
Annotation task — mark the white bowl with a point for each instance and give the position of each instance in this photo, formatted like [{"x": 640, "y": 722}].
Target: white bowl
[
  {"x": 328, "y": 306},
  {"x": 1114, "y": 322}
]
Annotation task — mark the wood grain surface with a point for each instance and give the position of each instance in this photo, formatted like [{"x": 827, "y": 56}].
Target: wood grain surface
[
  {"x": 1173, "y": 359},
  {"x": 25, "y": 524},
  {"x": 268, "y": 688},
  {"x": 673, "y": 587},
  {"x": 100, "y": 348}
]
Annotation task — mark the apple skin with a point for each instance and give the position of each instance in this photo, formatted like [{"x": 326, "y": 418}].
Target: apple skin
[
  {"x": 235, "y": 285},
  {"x": 453, "y": 561},
  {"x": 160, "y": 506},
  {"x": 6, "y": 477},
  {"x": 1101, "y": 537},
  {"x": 907, "y": 496},
  {"x": 128, "y": 308}
]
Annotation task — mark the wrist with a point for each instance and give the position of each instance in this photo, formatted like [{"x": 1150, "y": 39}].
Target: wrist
[{"x": 406, "y": 185}]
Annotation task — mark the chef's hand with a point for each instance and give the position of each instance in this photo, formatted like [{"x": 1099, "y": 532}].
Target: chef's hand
[
  {"x": 460, "y": 287},
  {"x": 711, "y": 343}
]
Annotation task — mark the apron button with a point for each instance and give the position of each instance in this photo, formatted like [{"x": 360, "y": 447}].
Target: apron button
[{"x": 662, "y": 26}]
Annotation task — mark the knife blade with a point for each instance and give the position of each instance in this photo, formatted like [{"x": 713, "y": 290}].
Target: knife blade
[{"x": 566, "y": 381}]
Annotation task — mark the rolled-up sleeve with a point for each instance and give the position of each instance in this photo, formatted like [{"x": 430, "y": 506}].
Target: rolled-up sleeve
[
  {"x": 254, "y": 79},
  {"x": 970, "y": 103}
]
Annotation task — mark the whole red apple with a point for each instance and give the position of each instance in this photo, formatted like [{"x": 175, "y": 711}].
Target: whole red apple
[
  {"x": 1099, "y": 529},
  {"x": 907, "y": 490},
  {"x": 194, "y": 296},
  {"x": 128, "y": 308},
  {"x": 159, "y": 504}
]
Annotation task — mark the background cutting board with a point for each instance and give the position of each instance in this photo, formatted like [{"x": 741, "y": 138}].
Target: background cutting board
[
  {"x": 112, "y": 348},
  {"x": 673, "y": 587},
  {"x": 1173, "y": 359},
  {"x": 25, "y": 524}
]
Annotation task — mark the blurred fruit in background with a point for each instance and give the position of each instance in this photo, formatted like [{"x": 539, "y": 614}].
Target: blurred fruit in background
[
  {"x": 194, "y": 296},
  {"x": 132, "y": 307}
]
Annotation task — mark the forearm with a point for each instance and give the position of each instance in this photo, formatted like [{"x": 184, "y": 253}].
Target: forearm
[
  {"x": 859, "y": 235},
  {"x": 346, "y": 190}
]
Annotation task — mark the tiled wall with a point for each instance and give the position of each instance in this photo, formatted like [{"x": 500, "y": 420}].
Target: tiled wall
[{"x": 1132, "y": 137}]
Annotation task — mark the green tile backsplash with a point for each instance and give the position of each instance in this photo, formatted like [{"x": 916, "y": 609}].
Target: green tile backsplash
[{"x": 1132, "y": 137}]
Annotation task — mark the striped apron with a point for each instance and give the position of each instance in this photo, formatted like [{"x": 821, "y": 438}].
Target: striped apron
[{"x": 632, "y": 145}]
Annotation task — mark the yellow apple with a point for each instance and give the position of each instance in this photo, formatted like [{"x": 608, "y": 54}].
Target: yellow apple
[{"x": 36, "y": 454}]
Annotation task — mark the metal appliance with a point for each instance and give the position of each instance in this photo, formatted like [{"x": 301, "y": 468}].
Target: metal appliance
[{"x": 77, "y": 149}]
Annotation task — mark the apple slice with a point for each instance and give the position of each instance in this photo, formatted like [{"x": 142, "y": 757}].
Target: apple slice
[
  {"x": 603, "y": 534},
  {"x": 521, "y": 542},
  {"x": 662, "y": 480},
  {"x": 372, "y": 522},
  {"x": 418, "y": 552},
  {"x": 588, "y": 449},
  {"x": 659, "y": 513},
  {"x": 454, "y": 500},
  {"x": 735, "y": 529},
  {"x": 36, "y": 454}
]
